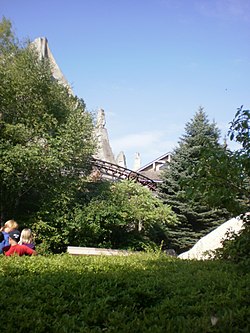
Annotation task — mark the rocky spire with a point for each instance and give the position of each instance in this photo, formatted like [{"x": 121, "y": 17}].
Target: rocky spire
[
  {"x": 104, "y": 151},
  {"x": 41, "y": 45}
]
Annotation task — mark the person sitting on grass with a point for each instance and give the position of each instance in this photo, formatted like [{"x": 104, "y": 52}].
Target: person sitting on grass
[
  {"x": 8, "y": 226},
  {"x": 27, "y": 239},
  {"x": 16, "y": 249}
]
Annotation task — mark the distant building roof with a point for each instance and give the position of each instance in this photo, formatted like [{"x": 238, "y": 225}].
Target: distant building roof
[{"x": 153, "y": 169}]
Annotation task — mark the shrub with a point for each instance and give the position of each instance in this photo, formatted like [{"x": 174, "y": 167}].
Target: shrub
[{"x": 137, "y": 293}]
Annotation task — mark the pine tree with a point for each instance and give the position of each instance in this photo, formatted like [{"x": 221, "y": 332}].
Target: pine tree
[{"x": 195, "y": 217}]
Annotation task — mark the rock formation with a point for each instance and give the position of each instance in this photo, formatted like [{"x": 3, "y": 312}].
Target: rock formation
[
  {"x": 41, "y": 45},
  {"x": 104, "y": 151},
  {"x": 213, "y": 240}
]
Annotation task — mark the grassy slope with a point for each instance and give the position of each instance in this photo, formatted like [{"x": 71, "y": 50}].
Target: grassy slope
[{"x": 139, "y": 293}]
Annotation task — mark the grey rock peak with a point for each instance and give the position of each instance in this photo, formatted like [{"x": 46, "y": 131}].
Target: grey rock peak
[
  {"x": 41, "y": 45},
  {"x": 104, "y": 151}
]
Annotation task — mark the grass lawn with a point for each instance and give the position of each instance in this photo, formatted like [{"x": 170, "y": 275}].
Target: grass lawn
[{"x": 138, "y": 293}]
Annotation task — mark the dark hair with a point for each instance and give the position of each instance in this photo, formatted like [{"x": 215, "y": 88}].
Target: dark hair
[{"x": 1, "y": 236}]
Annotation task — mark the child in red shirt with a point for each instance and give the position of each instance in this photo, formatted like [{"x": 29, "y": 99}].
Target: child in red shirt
[{"x": 15, "y": 248}]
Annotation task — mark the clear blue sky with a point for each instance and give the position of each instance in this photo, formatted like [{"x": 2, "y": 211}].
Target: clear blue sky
[{"x": 149, "y": 64}]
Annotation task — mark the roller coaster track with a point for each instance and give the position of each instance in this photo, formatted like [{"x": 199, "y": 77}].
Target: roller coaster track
[{"x": 114, "y": 171}]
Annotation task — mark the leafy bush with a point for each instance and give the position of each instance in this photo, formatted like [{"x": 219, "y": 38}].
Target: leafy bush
[
  {"x": 117, "y": 215},
  {"x": 136, "y": 293}
]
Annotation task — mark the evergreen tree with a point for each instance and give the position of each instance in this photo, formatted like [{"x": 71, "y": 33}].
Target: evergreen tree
[{"x": 195, "y": 217}]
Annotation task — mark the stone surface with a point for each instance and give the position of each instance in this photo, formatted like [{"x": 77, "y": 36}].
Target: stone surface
[{"x": 212, "y": 241}]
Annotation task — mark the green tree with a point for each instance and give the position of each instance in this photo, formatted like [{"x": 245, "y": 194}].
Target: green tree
[
  {"x": 45, "y": 133},
  {"x": 196, "y": 218},
  {"x": 240, "y": 132},
  {"x": 114, "y": 215},
  {"x": 8, "y": 40}
]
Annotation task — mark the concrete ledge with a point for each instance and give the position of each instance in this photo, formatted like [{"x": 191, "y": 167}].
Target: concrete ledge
[{"x": 92, "y": 251}]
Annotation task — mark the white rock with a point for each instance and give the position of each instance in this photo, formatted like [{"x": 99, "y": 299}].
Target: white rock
[{"x": 213, "y": 240}]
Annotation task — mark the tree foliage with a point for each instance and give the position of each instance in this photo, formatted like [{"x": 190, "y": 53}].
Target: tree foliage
[
  {"x": 195, "y": 216},
  {"x": 8, "y": 40},
  {"x": 240, "y": 131}
]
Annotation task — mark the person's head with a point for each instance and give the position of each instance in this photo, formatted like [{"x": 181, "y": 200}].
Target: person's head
[
  {"x": 26, "y": 236},
  {"x": 9, "y": 226},
  {"x": 14, "y": 237}
]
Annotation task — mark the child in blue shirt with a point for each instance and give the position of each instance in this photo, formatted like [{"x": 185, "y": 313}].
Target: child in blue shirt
[{"x": 8, "y": 226}]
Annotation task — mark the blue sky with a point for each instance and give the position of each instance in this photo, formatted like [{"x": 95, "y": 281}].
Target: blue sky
[{"x": 149, "y": 64}]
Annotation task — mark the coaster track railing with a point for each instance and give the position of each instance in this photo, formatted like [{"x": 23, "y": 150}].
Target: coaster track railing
[{"x": 114, "y": 171}]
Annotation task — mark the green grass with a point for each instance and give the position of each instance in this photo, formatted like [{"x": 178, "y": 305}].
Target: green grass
[{"x": 138, "y": 293}]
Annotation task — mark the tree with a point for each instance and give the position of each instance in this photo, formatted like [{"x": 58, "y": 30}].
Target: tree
[
  {"x": 240, "y": 130},
  {"x": 7, "y": 38},
  {"x": 45, "y": 133},
  {"x": 196, "y": 218},
  {"x": 236, "y": 248},
  {"x": 222, "y": 175},
  {"x": 115, "y": 215}
]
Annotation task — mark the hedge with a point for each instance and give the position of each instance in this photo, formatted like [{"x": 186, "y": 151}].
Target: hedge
[{"x": 138, "y": 293}]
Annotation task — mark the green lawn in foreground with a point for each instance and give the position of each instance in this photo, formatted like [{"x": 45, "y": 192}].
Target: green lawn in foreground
[{"x": 137, "y": 293}]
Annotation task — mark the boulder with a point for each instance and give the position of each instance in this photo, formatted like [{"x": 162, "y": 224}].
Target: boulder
[{"x": 213, "y": 240}]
